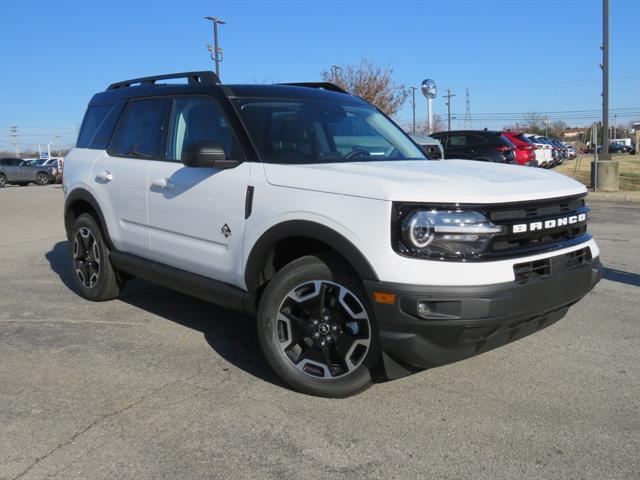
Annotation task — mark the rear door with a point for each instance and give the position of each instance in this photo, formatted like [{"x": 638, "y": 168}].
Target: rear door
[
  {"x": 119, "y": 176},
  {"x": 10, "y": 169},
  {"x": 458, "y": 146}
]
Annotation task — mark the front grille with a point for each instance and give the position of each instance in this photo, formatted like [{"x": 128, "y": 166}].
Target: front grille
[
  {"x": 538, "y": 269},
  {"x": 532, "y": 214}
]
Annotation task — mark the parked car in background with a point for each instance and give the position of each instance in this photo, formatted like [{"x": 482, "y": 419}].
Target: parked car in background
[
  {"x": 430, "y": 146},
  {"x": 17, "y": 171},
  {"x": 483, "y": 145},
  {"x": 525, "y": 149},
  {"x": 620, "y": 148},
  {"x": 544, "y": 152},
  {"x": 571, "y": 151},
  {"x": 53, "y": 162}
]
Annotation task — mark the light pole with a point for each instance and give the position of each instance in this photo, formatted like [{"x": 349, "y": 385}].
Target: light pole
[
  {"x": 216, "y": 54},
  {"x": 605, "y": 81}
]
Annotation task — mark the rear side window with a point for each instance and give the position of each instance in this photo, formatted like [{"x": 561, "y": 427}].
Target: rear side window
[
  {"x": 92, "y": 120},
  {"x": 457, "y": 141},
  {"x": 142, "y": 129}
]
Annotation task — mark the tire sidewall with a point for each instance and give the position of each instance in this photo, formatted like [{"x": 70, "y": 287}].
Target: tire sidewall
[
  {"x": 298, "y": 272},
  {"x": 98, "y": 290}
]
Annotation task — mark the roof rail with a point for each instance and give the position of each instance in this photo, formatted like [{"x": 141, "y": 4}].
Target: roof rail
[
  {"x": 194, "y": 78},
  {"x": 321, "y": 85}
]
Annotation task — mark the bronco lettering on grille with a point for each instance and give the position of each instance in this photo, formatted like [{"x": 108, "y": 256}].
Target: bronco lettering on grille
[{"x": 548, "y": 224}]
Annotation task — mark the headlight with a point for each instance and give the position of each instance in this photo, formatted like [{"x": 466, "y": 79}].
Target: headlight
[{"x": 445, "y": 234}]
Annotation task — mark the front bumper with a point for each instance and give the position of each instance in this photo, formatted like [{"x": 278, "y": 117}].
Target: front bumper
[{"x": 463, "y": 321}]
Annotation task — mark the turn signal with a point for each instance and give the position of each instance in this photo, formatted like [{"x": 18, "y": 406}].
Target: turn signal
[{"x": 386, "y": 298}]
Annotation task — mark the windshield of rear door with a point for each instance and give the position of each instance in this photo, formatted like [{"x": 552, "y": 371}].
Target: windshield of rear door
[{"x": 318, "y": 131}]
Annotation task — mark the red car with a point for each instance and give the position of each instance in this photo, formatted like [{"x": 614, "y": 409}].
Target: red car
[{"x": 525, "y": 150}]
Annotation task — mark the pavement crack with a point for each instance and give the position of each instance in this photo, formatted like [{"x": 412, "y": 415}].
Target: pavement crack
[{"x": 97, "y": 421}]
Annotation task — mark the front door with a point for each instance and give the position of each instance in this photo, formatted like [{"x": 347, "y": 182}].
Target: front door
[{"x": 196, "y": 215}]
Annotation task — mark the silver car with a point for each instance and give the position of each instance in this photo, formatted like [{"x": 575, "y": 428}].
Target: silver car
[{"x": 17, "y": 171}]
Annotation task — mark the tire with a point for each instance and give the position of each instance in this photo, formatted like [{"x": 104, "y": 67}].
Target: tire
[
  {"x": 42, "y": 179},
  {"x": 293, "y": 343},
  {"x": 91, "y": 268},
  {"x": 3, "y": 180}
]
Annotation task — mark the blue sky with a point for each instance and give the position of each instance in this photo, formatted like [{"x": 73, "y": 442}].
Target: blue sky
[{"x": 514, "y": 56}]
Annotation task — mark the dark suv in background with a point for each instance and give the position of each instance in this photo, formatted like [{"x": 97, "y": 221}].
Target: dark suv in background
[{"x": 483, "y": 145}]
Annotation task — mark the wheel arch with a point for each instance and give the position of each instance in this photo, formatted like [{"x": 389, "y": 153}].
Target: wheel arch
[
  {"x": 282, "y": 244},
  {"x": 81, "y": 201}
]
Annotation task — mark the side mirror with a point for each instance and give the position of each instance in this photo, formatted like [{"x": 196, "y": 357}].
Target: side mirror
[{"x": 206, "y": 155}]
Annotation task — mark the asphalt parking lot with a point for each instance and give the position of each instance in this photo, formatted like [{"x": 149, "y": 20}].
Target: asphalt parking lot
[{"x": 161, "y": 385}]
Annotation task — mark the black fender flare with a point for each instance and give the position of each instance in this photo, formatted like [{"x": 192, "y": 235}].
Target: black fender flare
[
  {"x": 303, "y": 228},
  {"x": 80, "y": 194}
]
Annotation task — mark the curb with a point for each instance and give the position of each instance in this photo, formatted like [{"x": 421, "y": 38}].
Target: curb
[{"x": 614, "y": 196}]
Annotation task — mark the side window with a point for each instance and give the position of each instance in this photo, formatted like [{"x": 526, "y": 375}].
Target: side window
[
  {"x": 457, "y": 141},
  {"x": 475, "y": 140},
  {"x": 141, "y": 131},
  {"x": 198, "y": 119},
  {"x": 92, "y": 120}
]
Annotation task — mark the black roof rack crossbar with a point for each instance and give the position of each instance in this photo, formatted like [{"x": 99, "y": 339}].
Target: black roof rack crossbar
[
  {"x": 322, "y": 85},
  {"x": 194, "y": 78}
]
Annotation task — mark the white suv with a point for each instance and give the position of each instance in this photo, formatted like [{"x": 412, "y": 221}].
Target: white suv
[{"x": 307, "y": 206}]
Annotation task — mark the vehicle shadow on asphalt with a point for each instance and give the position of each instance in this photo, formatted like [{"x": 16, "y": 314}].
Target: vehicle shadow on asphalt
[
  {"x": 620, "y": 276},
  {"x": 230, "y": 334}
]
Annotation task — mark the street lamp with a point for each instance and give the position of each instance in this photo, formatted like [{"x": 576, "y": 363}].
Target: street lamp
[{"x": 216, "y": 55}]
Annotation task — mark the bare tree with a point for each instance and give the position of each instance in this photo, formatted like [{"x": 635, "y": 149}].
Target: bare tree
[
  {"x": 557, "y": 129},
  {"x": 534, "y": 123},
  {"x": 439, "y": 125},
  {"x": 374, "y": 84}
]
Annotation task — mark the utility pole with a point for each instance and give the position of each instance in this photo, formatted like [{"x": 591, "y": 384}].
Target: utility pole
[
  {"x": 615, "y": 126},
  {"x": 448, "y": 97},
  {"x": 605, "y": 81},
  {"x": 334, "y": 72},
  {"x": 216, "y": 55},
  {"x": 413, "y": 106},
  {"x": 14, "y": 135},
  {"x": 546, "y": 126}
]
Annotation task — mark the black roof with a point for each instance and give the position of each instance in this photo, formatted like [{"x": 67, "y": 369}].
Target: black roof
[{"x": 207, "y": 82}]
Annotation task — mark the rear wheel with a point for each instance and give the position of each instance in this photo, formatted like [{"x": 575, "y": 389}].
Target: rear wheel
[
  {"x": 3, "y": 180},
  {"x": 316, "y": 328},
  {"x": 42, "y": 178},
  {"x": 92, "y": 271}
]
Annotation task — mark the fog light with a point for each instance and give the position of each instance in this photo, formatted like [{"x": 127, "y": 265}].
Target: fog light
[{"x": 423, "y": 309}]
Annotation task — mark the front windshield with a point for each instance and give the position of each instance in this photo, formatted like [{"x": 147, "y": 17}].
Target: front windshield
[{"x": 312, "y": 131}]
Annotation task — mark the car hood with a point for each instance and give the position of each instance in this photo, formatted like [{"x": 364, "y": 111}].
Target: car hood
[{"x": 446, "y": 181}]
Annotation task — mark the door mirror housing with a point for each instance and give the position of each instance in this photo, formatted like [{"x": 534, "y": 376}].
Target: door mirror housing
[{"x": 206, "y": 155}]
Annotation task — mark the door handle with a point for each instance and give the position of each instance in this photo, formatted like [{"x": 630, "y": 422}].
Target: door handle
[
  {"x": 163, "y": 183},
  {"x": 105, "y": 176}
]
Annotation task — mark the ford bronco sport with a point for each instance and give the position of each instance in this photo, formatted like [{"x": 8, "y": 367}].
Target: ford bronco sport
[{"x": 310, "y": 208}]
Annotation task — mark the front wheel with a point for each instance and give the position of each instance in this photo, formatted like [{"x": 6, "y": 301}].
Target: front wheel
[
  {"x": 3, "y": 180},
  {"x": 316, "y": 328}
]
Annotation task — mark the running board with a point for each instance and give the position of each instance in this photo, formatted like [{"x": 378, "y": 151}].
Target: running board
[{"x": 189, "y": 283}]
